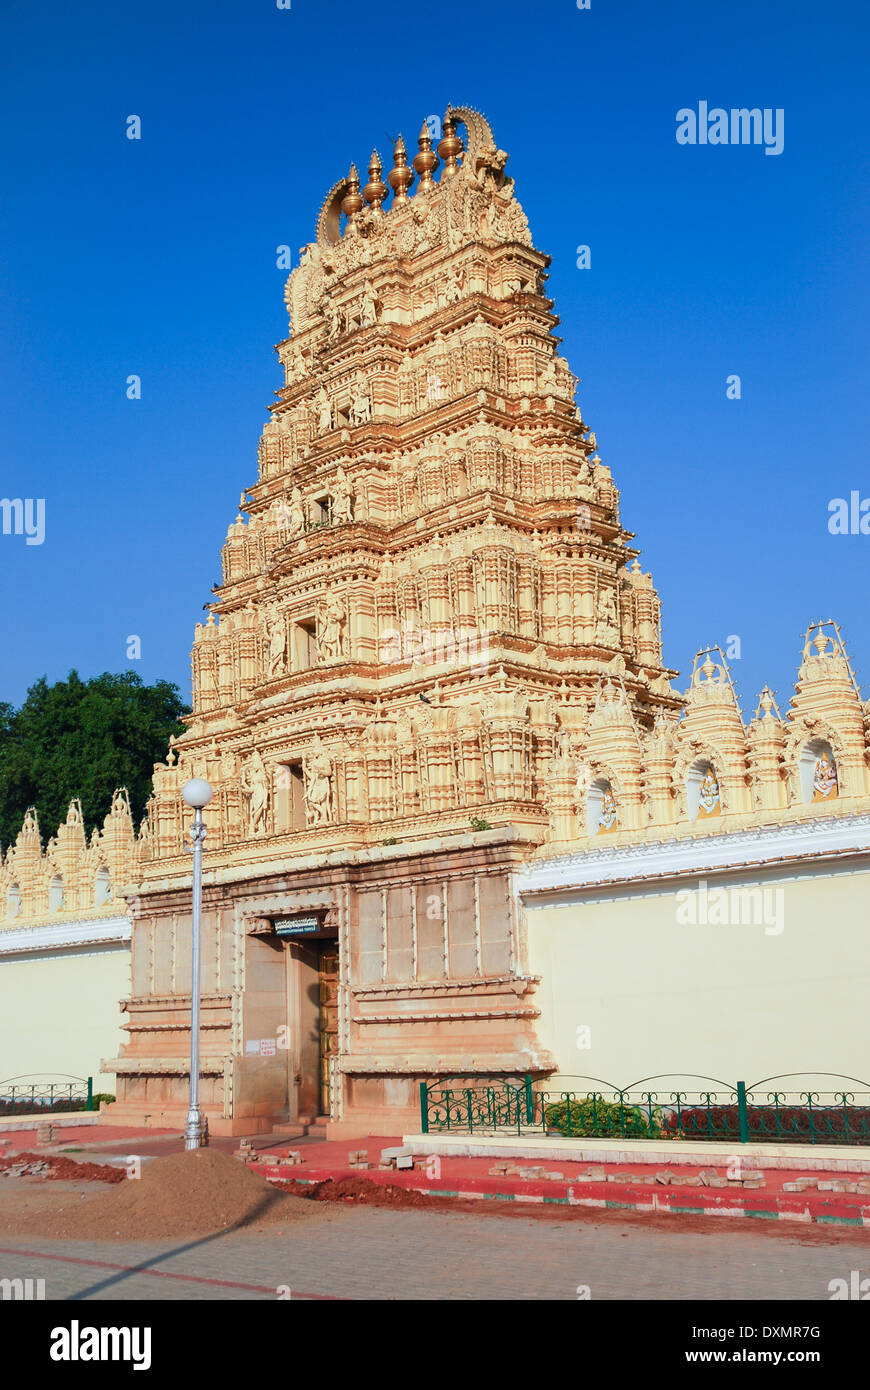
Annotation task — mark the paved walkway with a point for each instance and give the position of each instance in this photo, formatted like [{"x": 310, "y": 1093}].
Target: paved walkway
[{"x": 368, "y": 1253}]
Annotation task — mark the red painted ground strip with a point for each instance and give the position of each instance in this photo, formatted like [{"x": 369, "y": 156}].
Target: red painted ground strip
[
  {"x": 466, "y": 1179},
  {"x": 166, "y": 1274}
]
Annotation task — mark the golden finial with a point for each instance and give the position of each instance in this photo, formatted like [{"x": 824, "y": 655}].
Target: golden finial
[
  {"x": 426, "y": 162},
  {"x": 375, "y": 190},
  {"x": 352, "y": 202},
  {"x": 451, "y": 145},
  {"x": 401, "y": 175}
]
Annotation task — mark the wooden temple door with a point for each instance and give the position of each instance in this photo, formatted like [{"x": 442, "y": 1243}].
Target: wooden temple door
[{"x": 328, "y": 990}]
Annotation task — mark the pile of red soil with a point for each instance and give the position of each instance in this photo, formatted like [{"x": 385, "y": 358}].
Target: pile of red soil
[
  {"x": 189, "y": 1193},
  {"x": 364, "y": 1191},
  {"x": 62, "y": 1169}
]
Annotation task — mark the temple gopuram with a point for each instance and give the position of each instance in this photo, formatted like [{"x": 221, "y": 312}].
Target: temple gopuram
[{"x": 456, "y": 792}]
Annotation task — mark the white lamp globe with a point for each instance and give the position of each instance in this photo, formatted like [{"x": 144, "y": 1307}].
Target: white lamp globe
[{"x": 197, "y": 793}]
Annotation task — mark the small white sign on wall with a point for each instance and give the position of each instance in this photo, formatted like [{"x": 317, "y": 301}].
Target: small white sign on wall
[{"x": 268, "y": 1047}]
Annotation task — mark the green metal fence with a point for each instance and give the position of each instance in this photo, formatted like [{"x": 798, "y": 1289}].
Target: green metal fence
[
  {"x": 46, "y": 1094},
  {"x": 716, "y": 1110}
]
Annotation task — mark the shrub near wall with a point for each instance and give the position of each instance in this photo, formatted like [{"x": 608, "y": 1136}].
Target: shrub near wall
[
  {"x": 592, "y": 1116},
  {"x": 842, "y": 1124}
]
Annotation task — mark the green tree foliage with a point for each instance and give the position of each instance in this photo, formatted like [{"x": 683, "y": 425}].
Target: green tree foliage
[{"x": 83, "y": 738}]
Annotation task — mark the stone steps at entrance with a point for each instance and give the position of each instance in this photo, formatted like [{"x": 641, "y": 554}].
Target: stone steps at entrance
[{"x": 315, "y": 1125}]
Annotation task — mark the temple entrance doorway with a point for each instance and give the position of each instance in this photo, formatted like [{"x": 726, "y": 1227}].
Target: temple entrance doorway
[{"x": 312, "y": 1017}]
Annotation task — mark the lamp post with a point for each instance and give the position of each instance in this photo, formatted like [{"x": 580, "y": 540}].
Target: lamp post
[{"x": 197, "y": 793}]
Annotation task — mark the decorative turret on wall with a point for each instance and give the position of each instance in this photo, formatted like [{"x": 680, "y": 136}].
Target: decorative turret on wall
[
  {"x": 705, "y": 772},
  {"x": 71, "y": 876}
]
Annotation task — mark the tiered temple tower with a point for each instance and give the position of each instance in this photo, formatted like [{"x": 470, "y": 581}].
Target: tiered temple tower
[
  {"x": 433, "y": 656},
  {"x": 433, "y": 576},
  {"x": 414, "y": 624}
]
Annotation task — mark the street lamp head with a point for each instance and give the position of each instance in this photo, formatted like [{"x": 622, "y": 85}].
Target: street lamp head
[{"x": 197, "y": 793}]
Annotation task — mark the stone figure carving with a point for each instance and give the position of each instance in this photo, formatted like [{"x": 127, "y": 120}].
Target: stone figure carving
[
  {"x": 323, "y": 407},
  {"x": 434, "y": 386},
  {"x": 295, "y": 365},
  {"x": 488, "y": 225},
  {"x": 489, "y": 167},
  {"x": 342, "y": 499},
  {"x": 331, "y": 627},
  {"x": 360, "y": 405},
  {"x": 607, "y": 626},
  {"x": 562, "y": 744},
  {"x": 332, "y": 316},
  {"x": 277, "y": 647},
  {"x": 369, "y": 306},
  {"x": 420, "y": 212},
  {"x": 582, "y": 784},
  {"x": 550, "y": 377},
  {"x": 255, "y": 782},
  {"x": 292, "y": 516},
  {"x": 455, "y": 287},
  {"x": 662, "y": 727},
  {"x": 318, "y": 787}
]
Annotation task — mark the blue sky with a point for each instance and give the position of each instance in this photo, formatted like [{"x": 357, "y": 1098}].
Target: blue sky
[{"x": 158, "y": 257}]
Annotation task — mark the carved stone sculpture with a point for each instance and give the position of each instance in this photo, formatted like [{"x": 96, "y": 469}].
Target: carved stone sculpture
[
  {"x": 331, "y": 628},
  {"x": 368, "y": 306},
  {"x": 294, "y": 517},
  {"x": 277, "y": 647},
  {"x": 318, "y": 785},
  {"x": 324, "y": 411},
  {"x": 607, "y": 625},
  {"x": 332, "y": 317},
  {"x": 342, "y": 499},
  {"x": 361, "y": 405},
  {"x": 255, "y": 782}
]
